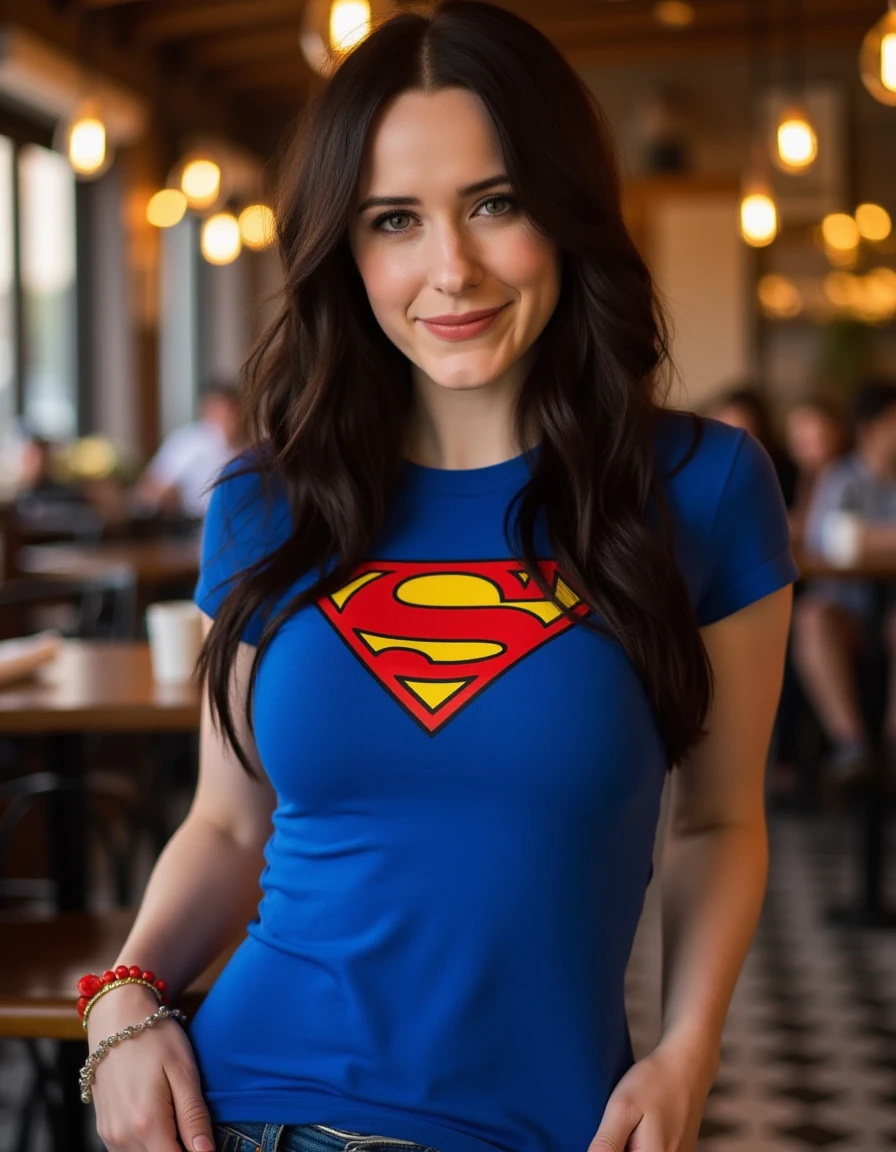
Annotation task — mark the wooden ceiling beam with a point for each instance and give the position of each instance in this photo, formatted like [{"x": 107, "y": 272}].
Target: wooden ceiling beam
[
  {"x": 182, "y": 21},
  {"x": 293, "y": 76},
  {"x": 224, "y": 51},
  {"x": 96, "y": 5},
  {"x": 584, "y": 52}
]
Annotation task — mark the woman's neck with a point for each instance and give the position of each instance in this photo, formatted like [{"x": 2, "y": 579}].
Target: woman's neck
[{"x": 462, "y": 428}]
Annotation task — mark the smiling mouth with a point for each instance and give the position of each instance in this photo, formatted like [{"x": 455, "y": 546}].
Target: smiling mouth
[{"x": 464, "y": 326}]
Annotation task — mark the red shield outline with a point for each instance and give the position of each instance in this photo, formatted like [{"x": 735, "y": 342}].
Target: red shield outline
[{"x": 435, "y": 634}]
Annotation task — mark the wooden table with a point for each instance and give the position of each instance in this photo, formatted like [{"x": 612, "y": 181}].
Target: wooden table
[
  {"x": 155, "y": 563},
  {"x": 44, "y": 959},
  {"x": 96, "y": 686},
  {"x": 868, "y": 909},
  {"x": 90, "y": 687}
]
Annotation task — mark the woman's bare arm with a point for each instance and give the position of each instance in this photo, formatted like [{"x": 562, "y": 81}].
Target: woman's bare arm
[
  {"x": 716, "y": 854},
  {"x": 713, "y": 881},
  {"x": 202, "y": 892}
]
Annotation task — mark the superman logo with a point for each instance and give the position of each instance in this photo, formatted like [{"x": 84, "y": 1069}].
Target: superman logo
[{"x": 436, "y": 635}]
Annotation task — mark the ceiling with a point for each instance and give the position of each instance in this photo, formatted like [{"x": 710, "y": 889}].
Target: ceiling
[{"x": 236, "y": 64}]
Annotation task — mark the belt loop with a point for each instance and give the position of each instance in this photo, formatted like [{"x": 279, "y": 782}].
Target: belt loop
[{"x": 270, "y": 1138}]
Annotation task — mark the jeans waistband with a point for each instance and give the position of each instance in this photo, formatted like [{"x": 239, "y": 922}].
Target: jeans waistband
[{"x": 257, "y": 1136}]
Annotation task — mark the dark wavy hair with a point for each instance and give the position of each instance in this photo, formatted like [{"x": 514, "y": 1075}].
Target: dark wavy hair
[{"x": 328, "y": 394}]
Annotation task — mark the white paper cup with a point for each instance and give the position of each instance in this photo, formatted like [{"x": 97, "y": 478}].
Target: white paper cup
[
  {"x": 174, "y": 628},
  {"x": 840, "y": 533}
]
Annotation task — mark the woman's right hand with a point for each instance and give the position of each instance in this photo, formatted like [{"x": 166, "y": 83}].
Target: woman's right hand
[{"x": 146, "y": 1090}]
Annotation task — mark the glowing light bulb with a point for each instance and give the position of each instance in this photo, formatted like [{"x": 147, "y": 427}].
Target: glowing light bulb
[
  {"x": 349, "y": 23},
  {"x": 201, "y": 182},
  {"x": 87, "y": 146},
  {"x": 758, "y": 218},
  {"x": 779, "y": 297},
  {"x": 166, "y": 208},
  {"x": 797, "y": 142},
  {"x": 873, "y": 222},
  {"x": 888, "y": 61},
  {"x": 257, "y": 226},
  {"x": 877, "y": 58},
  {"x": 840, "y": 232},
  {"x": 220, "y": 238}
]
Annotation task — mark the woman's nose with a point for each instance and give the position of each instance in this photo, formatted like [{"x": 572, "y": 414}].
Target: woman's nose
[{"x": 453, "y": 262}]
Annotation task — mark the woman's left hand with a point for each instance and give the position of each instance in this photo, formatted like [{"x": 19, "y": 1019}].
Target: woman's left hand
[{"x": 658, "y": 1104}]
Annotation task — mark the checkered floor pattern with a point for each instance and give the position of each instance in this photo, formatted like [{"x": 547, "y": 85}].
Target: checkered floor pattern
[{"x": 809, "y": 1050}]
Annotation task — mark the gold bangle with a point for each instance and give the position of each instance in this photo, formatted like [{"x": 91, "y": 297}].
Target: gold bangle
[{"x": 117, "y": 984}]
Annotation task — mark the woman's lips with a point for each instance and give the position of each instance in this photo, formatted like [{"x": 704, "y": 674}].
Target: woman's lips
[{"x": 461, "y": 329}]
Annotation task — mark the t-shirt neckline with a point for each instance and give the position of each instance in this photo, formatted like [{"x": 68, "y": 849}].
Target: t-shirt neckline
[{"x": 512, "y": 473}]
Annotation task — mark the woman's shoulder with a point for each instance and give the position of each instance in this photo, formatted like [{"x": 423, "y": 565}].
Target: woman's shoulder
[
  {"x": 694, "y": 453},
  {"x": 249, "y": 505}
]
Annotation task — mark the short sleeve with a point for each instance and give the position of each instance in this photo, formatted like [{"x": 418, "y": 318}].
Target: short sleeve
[
  {"x": 749, "y": 552},
  {"x": 244, "y": 523}
]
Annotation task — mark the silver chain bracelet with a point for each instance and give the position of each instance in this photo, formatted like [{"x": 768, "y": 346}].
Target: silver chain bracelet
[{"x": 88, "y": 1071}]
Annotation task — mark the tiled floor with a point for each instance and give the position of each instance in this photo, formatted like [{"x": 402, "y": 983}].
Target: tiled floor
[
  {"x": 809, "y": 1049},
  {"x": 809, "y": 1052}
]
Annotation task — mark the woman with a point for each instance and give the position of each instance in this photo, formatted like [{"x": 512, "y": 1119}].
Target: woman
[{"x": 473, "y": 588}]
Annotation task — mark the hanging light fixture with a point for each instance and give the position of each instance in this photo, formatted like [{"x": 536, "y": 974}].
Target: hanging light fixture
[
  {"x": 257, "y": 226},
  {"x": 758, "y": 210},
  {"x": 758, "y": 213},
  {"x": 220, "y": 238},
  {"x": 796, "y": 141},
  {"x": 349, "y": 23},
  {"x": 83, "y": 138},
  {"x": 166, "y": 208},
  {"x": 877, "y": 57},
  {"x": 331, "y": 28},
  {"x": 873, "y": 222},
  {"x": 200, "y": 182}
]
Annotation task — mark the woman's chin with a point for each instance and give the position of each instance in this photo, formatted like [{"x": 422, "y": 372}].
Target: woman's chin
[{"x": 464, "y": 377}]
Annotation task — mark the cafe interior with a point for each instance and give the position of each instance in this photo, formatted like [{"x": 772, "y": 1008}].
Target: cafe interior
[{"x": 139, "y": 148}]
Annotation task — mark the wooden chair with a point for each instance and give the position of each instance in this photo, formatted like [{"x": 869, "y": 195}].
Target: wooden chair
[
  {"x": 102, "y": 607},
  {"x": 40, "y": 964}
]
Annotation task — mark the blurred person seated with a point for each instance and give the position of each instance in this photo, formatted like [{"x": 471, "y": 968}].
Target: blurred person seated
[
  {"x": 746, "y": 407},
  {"x": 831, "y": 619},
  {"x": 816, "y": 434},
  {"x": 38, "y": 479},
  {"x": 178, "y": 478}
]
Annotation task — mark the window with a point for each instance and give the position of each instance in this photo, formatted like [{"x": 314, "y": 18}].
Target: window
[
  {"x": 47, "y": 252},
  {"x": 7, "y": 292}
]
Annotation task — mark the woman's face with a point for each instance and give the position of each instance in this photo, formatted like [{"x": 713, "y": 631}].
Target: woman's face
[{"x": 438, "y": 239}]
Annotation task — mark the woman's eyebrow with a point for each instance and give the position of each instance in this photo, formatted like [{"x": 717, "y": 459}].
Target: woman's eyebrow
[{"x": 469, "y": 190}]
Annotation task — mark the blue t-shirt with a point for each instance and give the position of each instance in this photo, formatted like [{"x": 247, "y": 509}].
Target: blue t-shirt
[{"x": 468, "y": 787}]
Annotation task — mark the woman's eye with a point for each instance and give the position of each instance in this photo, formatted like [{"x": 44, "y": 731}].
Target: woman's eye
[
  {"x": 497, "y": 205},
  {"x": 397, "y": 221}
]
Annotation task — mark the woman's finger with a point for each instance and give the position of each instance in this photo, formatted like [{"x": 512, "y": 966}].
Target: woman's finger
[
  {"x": 193, "y": 1121},
  {"x": 620, "y": 1119}
]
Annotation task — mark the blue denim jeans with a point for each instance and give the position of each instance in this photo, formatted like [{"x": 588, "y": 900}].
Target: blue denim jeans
[{"x": 254, "y": 1136}]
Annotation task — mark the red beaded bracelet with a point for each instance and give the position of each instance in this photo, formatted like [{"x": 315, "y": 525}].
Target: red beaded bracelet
[{"x": 91, "y": 986}]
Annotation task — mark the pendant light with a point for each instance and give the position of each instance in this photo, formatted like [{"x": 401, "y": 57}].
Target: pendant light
[
  {"x": 83, "y": 138},
  {"x": 220, "y": 238},
  {"x": 758, "y": 210},
  {"x": 877, "y": 57},
  {"x": 83, "y": 135},
  {"x": 796, "y": 141}
]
